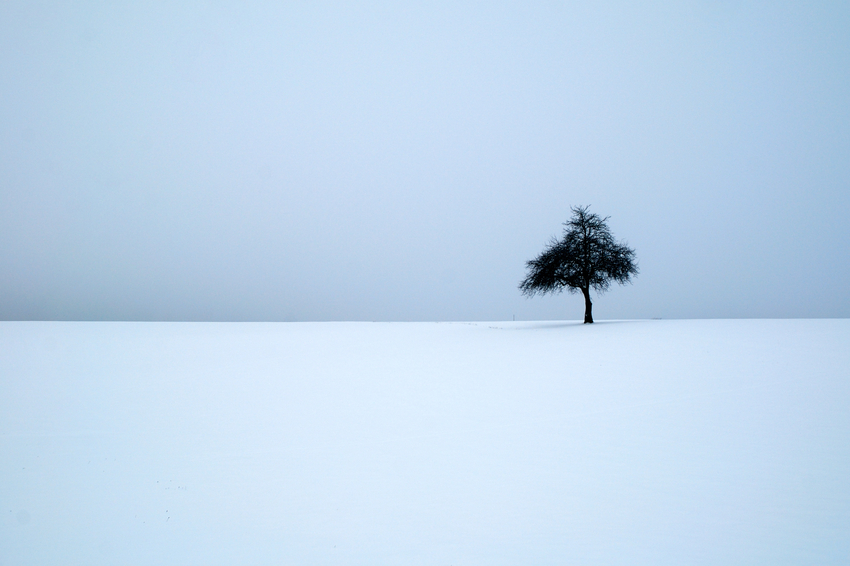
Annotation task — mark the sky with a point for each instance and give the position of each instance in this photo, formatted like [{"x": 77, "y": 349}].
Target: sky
[{"x": 403, "y": 160}]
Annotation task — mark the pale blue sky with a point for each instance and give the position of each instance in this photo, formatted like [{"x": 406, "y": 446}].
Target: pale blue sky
[{"x": 402, "y": 161}]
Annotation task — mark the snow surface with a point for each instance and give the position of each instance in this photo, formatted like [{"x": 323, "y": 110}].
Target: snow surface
[{"x": 622, "y": 442}]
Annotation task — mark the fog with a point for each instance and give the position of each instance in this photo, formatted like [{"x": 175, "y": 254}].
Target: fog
[{"x": 384, "y": 161}]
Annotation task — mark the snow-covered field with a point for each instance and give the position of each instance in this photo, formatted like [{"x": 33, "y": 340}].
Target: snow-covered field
[{"x": 623, "y": 442}]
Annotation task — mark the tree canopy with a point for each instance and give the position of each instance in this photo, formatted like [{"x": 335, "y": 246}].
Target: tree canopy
[{"x": 586, "y": 257}]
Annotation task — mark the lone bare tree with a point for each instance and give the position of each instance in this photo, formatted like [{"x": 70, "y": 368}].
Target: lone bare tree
[{"x": 586, "y": 258}]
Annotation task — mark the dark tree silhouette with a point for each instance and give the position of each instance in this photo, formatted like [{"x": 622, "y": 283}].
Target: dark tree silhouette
[{"x": 586, "y": 258}]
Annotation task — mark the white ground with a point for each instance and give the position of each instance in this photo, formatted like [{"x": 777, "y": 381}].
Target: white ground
[{"x": 642, "y": 442}]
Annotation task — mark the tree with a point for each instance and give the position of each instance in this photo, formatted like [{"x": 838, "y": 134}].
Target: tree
[{"x": 586, "y": 258}]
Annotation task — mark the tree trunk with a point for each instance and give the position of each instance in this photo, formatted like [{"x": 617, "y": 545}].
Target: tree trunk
[{"x": 588, "y": 307}]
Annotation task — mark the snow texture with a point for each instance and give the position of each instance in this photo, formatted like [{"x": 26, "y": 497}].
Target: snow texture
[{"x": 623, "y": 442}]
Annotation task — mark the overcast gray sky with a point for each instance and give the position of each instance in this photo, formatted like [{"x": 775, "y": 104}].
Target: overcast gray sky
[{"x": 402, "y": 161}]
